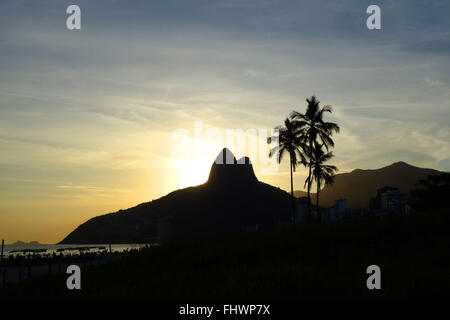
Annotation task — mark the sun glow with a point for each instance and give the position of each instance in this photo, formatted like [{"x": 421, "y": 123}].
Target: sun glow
[
  {"x": 194, "y": 151},
  {"x": 193, "y": 172},
  {"x": 192, "y": 157}
]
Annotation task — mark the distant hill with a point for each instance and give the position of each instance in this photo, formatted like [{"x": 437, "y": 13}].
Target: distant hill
[
  {"x": 231, "y": 200},
  {"x": 22, "y": 243},
  {"x": 359, "y": 185}
]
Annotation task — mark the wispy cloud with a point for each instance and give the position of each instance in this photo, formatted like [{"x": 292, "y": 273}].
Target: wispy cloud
[{"x": 91, "y": 188}]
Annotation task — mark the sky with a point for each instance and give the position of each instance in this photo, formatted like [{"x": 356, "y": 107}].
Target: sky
[{"x": 91, "y": 119}]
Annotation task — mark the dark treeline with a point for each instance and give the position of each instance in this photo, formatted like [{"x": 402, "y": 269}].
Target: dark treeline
[
  {"x": 432, "y": 193},
  {"x": 326, "y": 261}
]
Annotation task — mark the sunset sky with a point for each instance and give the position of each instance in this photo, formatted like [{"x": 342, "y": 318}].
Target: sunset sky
[{"x": 87, "y": 116}]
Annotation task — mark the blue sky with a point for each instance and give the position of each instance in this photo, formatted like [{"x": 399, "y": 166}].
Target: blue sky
[{"x": 88, "y": 114}]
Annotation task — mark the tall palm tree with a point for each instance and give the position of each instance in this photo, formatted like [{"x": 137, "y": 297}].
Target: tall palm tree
[
  {"x": 313, "y": 128},
  {"x": 290, "y": 142},
  {"x": 322, "y": 173}
]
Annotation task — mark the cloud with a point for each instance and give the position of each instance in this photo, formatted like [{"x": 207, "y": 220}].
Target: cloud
[
  {"x": 433, "y": 82},
  {"x": 110, "y": 95},
  {"x": 444, "y": 164},
  {"x": 91, "y": 188}
]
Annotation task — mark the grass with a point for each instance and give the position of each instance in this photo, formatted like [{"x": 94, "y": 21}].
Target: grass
[{"x": 312, "y": 262}]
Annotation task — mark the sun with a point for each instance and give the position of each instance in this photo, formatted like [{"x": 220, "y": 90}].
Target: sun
[{"x": 193, "y": 172}]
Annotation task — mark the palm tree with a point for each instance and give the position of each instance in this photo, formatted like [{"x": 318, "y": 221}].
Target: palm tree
[
  {"x": 322, "y": 173},
  {"x": 290, "y": 142},
  {"x": 313, "y": 128}
]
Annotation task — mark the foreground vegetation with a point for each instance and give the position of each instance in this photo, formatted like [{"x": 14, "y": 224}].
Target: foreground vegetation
[{"x": 312, "y": 262}]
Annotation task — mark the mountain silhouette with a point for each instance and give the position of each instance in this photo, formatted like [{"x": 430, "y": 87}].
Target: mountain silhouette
[
  {"x": 226, "y": 170},
  {"x": 232, "y": 199},
  {"x": 360, "y": 185}
]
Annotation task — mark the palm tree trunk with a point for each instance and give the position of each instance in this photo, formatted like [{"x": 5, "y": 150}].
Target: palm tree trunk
[
  {"x": 292, "y": 196},
  {"x": 319, "y": 214},
  {"x": 309, "y": 189},
  {"x": 309, "y": 182}
]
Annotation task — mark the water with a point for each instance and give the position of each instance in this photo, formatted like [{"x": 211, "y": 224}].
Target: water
[{"x": 51, "y": 248}]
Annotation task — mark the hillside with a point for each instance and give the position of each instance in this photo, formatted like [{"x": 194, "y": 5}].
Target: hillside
[
  {"x": 360, "y": 185},
  {"x": 231, "y": 200}
]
